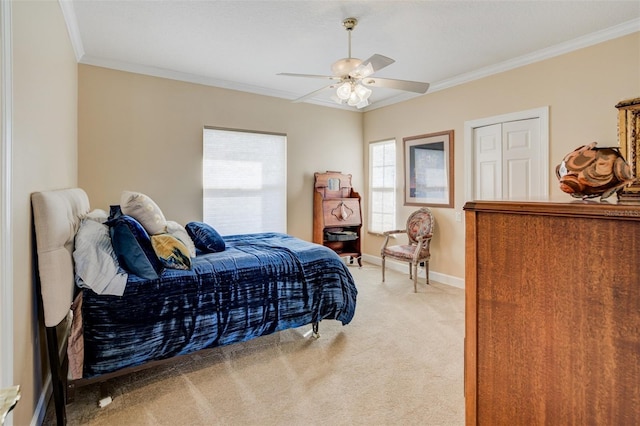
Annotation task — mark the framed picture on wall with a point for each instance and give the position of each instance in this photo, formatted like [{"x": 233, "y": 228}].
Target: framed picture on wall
[{"x": 428, "y": 170}]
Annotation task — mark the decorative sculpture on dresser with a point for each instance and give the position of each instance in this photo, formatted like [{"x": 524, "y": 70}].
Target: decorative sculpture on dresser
[
  {"x": 589, "y": 172},
  {"x": 337, "y": 218}
]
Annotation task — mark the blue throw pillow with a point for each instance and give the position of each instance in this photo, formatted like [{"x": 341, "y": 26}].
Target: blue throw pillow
[
  {"x": 133, "y": 248},
  {"x": 205, "y": 237},
  {"x": 114, "y": 211}
]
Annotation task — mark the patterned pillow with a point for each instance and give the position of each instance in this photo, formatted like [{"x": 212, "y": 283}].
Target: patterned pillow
[
  {"x": 178, "y": 231},
  {"x": 205, "y": 237},
  {"x": 171, "y": 252},
  {"x": 144, "y": 210},
  {"x": 133, "y": 248}
]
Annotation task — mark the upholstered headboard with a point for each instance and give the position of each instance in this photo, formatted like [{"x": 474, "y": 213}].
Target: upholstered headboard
[{"x": 56, "y": 217}]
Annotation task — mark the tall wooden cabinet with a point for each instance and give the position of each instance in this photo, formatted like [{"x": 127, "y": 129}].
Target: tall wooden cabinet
[
  {"x": 337, "y": 218},
  {"x": 552, "y": 313}
]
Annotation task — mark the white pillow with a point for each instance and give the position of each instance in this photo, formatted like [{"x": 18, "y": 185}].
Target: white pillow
[
  {"x": 98, "y": 215},
  {"x": 144, "y": 210},
  {"x": 178, "y": 231},
  {"x": 96, "y": 265}
]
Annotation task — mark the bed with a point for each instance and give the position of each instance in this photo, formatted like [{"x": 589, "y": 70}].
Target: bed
[{"x": 257, "y": 285}]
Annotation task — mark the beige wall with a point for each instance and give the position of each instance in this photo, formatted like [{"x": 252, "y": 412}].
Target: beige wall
[
  {"x": 145, "y": 134},
  {"x": 581, "y": 88},
  {"x": 44, "y": 157}
]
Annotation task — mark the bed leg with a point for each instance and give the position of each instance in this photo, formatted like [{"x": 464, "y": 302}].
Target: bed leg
[
  {"x": 57, "y": 379},
  {"x": 105, "y": 395},
  {"x": 316, "y": 326},
  {"x": 71, "y": 392}
]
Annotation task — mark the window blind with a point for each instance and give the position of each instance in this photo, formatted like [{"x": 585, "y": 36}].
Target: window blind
[
  {"x": 244, "y": 181},
  {"x": 382, "y": 187}
]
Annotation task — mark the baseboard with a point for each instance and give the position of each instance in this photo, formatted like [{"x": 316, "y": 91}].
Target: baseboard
[
  {"x": 41, "y": 408},
  {"x": 402, "y": 267}
]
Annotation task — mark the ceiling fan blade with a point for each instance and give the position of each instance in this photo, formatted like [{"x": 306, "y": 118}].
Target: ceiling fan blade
[
  {"x": 409, "y": 86},
  {"x": 371, "y": 65},
  {"x": 312, "y": 94},
  {"x": 330, "y": 77}
]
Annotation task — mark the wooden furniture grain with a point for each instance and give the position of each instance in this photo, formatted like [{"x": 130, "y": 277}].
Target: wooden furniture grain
[
  {"x": 552, "y": 313},
  {"x": 337, "y": 217}
]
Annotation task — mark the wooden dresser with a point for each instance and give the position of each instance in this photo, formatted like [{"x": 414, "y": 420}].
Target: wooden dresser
[
  {"x": 337, "y": 218},
  {"x": 552, "y": 313}
]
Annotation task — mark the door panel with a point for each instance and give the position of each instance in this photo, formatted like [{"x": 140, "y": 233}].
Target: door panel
[
  {"x": 488, "y": 156},
  {"x": 518, "y": 182},
  {"x": 488, "y": 181}
]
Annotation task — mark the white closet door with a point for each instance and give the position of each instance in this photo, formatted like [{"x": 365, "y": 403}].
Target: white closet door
[{"x": 507, "y": 161}]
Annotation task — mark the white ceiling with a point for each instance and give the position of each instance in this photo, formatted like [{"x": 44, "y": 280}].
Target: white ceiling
[{"x": 243, "y": 44}]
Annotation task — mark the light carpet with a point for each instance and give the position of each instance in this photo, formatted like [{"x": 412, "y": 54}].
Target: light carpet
[{"x": 400, "y": 361}]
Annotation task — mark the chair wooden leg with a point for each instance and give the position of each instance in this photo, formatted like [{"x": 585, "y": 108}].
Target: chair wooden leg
[
  {"x": 382, "y": 268},
  {"x": 410, "y": 270},
  {"x": 426, "y": 271},
  {"x": 415, "y": 278}
]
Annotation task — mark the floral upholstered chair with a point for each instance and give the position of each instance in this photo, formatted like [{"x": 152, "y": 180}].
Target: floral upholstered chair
[{"x": 420, "y": 227}]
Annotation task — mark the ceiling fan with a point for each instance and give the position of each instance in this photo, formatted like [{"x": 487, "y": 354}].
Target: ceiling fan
[{"x": 353, "y": 75}]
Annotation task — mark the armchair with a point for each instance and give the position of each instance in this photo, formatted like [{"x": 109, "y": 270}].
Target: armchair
[{"x": 419, "y": 230}]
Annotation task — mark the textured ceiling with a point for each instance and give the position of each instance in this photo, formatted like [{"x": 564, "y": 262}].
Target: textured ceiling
[{"x": 243, "y": 45}]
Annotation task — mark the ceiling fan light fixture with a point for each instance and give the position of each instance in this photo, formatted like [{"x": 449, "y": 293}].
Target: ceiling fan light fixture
[
  {"x": 354, "y": 99},
  {"x": 352, "y": 93},
  {"x": 363, "y": 103},
  {"x": 362, "y": 92},
  {"x": 344, "y": 91}
]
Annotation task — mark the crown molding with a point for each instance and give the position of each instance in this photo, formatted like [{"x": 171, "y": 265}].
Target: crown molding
[
  {"x": 199, "y": 79},
  {"x": 610, "y": 33},
  {"x": 601, "y": 36},
  {"x": 69, "y": 14}
]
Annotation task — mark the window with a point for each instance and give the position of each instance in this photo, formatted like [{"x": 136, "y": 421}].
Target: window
[
  {"x": 382, "y": 172},
  {"x": 244, "y": 181}
]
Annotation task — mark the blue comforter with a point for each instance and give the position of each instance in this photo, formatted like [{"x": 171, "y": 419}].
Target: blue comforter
[{"x": 260, "y": 284}]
